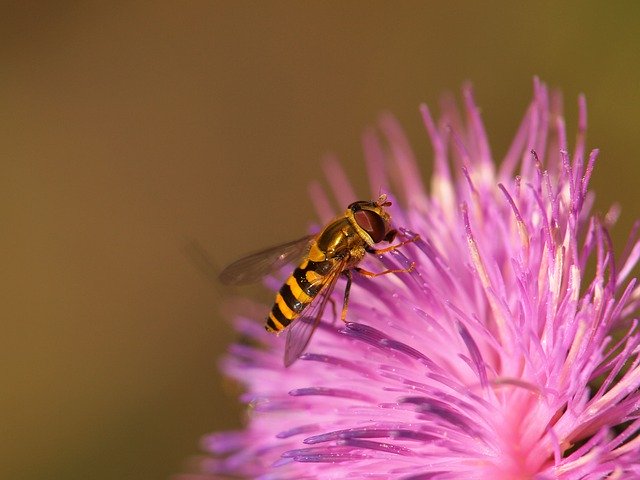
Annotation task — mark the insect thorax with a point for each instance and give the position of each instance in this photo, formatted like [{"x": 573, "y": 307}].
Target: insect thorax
[{"x": 338, "y": 239}]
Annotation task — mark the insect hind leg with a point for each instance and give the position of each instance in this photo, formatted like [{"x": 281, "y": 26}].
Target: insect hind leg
[{"x": 333, "y": 309}]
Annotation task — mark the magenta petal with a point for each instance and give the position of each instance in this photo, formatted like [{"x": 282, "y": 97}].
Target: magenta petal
[{"x": 510, "y": 350}]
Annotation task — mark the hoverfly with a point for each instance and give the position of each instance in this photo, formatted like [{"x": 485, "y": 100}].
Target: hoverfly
[{"x": 336, "y": 250}]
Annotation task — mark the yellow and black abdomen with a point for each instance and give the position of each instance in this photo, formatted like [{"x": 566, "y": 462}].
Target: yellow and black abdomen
[
  {"x": 308, "y": 279},
  {"x": 297, "y": 293}
]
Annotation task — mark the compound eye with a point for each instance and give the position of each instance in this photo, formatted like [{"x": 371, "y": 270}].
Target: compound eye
[
  {"x": 356, "y": 206},
  {"x": 372, "y": 223},
  {"x": 390, "y": 236}
]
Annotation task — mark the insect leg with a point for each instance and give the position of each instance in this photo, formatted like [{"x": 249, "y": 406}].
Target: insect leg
[
  {"x": 333, "y": 309},
  {"x": 369, "y": 274},
  {"x": 392, "y": 247},
  {"x": 347, "y": 291}
]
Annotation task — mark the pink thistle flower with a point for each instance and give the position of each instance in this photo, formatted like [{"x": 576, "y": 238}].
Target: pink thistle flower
[{"x": 493, "y": 359}]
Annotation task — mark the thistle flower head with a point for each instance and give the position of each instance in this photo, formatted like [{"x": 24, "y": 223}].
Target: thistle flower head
[{"x": 492, "y": 359}]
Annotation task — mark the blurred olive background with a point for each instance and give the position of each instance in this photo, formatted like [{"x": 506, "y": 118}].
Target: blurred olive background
[{"x": 130, "y": 128}]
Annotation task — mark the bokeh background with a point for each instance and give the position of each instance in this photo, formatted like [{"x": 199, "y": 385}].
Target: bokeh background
[{"x": 130, "y": 129}]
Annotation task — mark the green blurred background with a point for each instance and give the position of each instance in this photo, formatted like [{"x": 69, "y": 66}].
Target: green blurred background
[{"x": 129, "y": 128}]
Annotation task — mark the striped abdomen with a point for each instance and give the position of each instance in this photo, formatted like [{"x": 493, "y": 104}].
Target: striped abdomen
[{"x": 297, "y": 293}]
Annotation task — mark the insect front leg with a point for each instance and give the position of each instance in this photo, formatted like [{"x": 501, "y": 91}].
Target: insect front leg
[{"x": 391, "y": 248}]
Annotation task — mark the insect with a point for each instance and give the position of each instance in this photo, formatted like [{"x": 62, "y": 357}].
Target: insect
[{"x": 323, "y": 258}]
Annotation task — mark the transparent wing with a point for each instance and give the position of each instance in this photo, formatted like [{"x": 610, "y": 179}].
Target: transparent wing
[
  {"x": 253, "y": 267},
  {"x": 300, "y": 331}
]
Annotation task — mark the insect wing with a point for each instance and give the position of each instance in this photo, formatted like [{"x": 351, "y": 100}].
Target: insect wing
[
  {"x": 253, "y": 267},
  {"x": 300, "y": 331}
]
